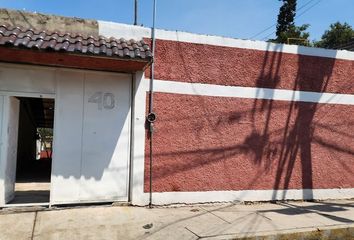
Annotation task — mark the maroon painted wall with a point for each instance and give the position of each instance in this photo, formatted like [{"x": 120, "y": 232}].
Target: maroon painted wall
[
  {"x": 212, "y": 143},
  {"x": 200, "y": 63}
]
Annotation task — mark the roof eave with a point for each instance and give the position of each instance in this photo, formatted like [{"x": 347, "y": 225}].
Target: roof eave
[{"x": 73, "y": 60}]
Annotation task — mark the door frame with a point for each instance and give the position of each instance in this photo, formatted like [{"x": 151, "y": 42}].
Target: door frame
[{"x": 3, "y": 137}]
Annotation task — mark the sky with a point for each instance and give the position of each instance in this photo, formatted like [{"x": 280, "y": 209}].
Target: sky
[{"x": 245, "y": 19}]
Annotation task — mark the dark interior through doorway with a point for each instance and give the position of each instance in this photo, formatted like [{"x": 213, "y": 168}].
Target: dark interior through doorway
[{"x": 34, "y": 151}]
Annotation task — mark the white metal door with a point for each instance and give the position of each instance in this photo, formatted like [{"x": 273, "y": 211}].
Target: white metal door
[
  {"x": 92, "y": 137},
  {"x": 105, "y": 145},
  {"x": 9, "y": 134}
]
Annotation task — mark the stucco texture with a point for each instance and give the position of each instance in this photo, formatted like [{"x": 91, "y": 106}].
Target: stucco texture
[
  {"x": 201, "y": 63},
  {"x": 212, "y": 143}
]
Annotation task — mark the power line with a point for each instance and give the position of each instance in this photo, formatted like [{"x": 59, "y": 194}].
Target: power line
[
  {"x": 306, "y": 10},
  {"x": 266, "y": 37},
  {"x": 259, "y": 33}
]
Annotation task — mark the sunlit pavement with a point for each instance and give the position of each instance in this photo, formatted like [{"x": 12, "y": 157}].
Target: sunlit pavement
[{"x": 329, "y": 220}]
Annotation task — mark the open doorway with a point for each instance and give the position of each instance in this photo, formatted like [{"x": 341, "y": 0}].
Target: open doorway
[{"x": 34, "y": 151}]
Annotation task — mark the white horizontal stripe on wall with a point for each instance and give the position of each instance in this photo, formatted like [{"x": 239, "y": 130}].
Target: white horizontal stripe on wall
[
  {"x": 162, "y": 198},
  {"x": 213, "y": 90},
  {"x": 119, "y": 30}
]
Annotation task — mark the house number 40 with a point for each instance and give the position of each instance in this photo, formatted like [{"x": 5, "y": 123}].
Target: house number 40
[{"x": 103, "y": 100}]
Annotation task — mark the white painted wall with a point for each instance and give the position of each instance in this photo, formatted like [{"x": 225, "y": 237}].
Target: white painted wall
[
  {"x": 18, "y": 78},
  {"x": 12, "y": 107},
  {"x": 214, "y": 90},
  {"x": 141, "y": 86},
  {"x": 9, "y": 113}
]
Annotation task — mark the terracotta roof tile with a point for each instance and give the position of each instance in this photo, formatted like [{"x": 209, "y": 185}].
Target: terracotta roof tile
[{"x": 73, "y": 43}]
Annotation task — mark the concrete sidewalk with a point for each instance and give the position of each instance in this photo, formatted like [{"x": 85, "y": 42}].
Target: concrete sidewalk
[{"x": 289, "y": 220}]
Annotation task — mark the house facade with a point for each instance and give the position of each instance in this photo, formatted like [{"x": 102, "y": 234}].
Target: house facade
[{"x": 237, "y": 120}]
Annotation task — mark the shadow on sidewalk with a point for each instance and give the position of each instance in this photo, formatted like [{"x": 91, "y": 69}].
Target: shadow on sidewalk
[{"x": 254, "y": 215}]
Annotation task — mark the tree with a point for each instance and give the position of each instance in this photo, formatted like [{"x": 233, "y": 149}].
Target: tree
[
  {"x": 286, "y": 19},
  {"x": 296, "y": 35},
  {"x": 46, "y": 136},
  {"x": 45, "y": 133},
  {"x": 287, "y": 31},
  {"x": 339, "y": 36}
]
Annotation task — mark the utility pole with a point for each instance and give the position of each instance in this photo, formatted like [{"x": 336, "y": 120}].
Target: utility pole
[{"x": 135, "y": 12}]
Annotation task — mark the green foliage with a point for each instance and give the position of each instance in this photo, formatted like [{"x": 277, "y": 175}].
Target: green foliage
[
  {"x": 338, "y": 36},
  {"x": 286, "y": 17},
  {"x": 295, "y": 35},
  {"x": 287, "y": 31},
  {"x": 45, "y": 133}
]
